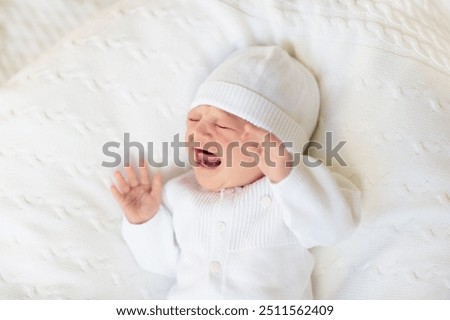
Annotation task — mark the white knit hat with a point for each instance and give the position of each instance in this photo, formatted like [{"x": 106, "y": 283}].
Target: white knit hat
[{"x": 268, "y": 88}]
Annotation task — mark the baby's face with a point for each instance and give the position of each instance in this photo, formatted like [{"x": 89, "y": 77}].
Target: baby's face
[{"x": 218, "y": 156}]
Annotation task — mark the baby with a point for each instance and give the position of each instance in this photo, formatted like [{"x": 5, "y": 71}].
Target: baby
[{"x": 239, "y": 225}]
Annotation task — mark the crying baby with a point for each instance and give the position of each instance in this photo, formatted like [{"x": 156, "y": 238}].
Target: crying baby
[{"x": 240, "y": 224}]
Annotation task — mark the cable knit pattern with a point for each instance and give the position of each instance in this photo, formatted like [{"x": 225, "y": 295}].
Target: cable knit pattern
[
  {"x": 272, "y": 225},
  {"x": 406, "y": 28},
  {"x": 245, "y": 234},
  {"x": 383, "y": 70},
  {"x": 29, "y": 27}
]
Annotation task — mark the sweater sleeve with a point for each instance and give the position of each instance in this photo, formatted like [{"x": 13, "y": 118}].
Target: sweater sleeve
[
  {"x": 153, "y": 243},
  {"x": 320, "y": 207}
]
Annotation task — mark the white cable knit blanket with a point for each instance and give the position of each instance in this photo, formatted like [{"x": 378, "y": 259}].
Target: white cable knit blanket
[
  {"x": 29, "y": 27},
  {"x": 384, "y": 73}
]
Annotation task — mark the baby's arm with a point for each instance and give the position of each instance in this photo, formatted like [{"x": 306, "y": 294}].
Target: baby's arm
[
  {"x": 153, "y": 243},
  {"x": 147, "y": 227},
  {"x": 320, "y": 207}
]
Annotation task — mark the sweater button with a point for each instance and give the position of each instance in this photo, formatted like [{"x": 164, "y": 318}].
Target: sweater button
[
  {"x": 214, "y": 266},
  {"x": 221, "y": 226},
  {"x": 265, "y": 201}
]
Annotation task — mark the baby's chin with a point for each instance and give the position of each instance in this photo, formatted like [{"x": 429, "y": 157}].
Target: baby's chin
[
  {"x": 211, "y": 184},
  {"x": 215, "y": 183}
]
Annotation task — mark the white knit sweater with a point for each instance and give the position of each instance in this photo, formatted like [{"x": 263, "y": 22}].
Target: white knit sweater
[{"x": 246, "y": 242}]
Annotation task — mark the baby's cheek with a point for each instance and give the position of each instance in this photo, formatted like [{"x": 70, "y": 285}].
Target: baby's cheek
[
  {"x": 242, "y": 157},
  {"x": 189, "y": 135},
  {"x": 231, "y": 148}
]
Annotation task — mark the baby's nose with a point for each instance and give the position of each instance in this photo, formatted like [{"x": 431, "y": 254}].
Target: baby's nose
[{"x": 201, "y": 130}]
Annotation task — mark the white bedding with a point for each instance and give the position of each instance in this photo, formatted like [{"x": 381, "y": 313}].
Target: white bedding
[
  {"x": 384, "y": 72},
  {"x": 29, "y": 27}
]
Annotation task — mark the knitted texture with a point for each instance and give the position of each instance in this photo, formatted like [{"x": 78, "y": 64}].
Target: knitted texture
[
  {"x": 269, "y": 88},
  {"x": 29, "y": 27},
  {"x": 384, "y": 76},
  {"x": 245, "y": 242}
]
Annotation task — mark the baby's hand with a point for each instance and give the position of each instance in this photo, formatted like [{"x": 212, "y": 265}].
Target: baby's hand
[
  {"x": 273, "y": 156},
  {"x": 139, "y": 198}
]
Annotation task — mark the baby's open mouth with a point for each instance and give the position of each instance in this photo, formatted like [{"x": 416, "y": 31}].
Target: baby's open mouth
[{"x": 206, "y": 159}]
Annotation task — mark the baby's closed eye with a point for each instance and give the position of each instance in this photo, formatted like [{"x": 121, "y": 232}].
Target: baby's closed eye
[{"x": 224, "y": 126}]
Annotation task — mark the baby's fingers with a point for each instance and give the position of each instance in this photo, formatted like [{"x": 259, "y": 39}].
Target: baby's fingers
[
  {"x": 132, "y": 178},
  {"x": 123, "y": 185},
  {"x": 116, "y": 193},
  {"x": 157, "y": 187},
  {"x": 145, "y": 176}
]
